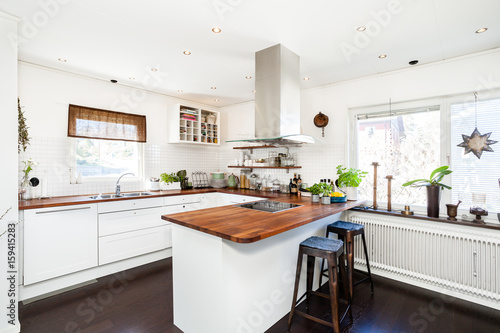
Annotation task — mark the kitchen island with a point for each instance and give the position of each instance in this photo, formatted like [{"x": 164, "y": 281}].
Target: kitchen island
[{"x": 234, "y": 267}]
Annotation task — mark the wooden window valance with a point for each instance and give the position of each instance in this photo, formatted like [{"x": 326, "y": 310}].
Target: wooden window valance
[{"x": 85, "y": 122}]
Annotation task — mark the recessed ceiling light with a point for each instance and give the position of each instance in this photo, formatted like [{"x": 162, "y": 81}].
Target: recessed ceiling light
[
  {"x": 186, "y": 52},
  {"x": 216, "y": 100},
  {"x": 179, "y": 90},
  {"x": 254, "y": 90},
  {"x": 216, "y": 30},
  {"x": 131, "y": 78},
  {"x": 361, "y": 28},
  {"x": 382, "y": 56},
  {"x": 154, "y": 69},
  {"x": 413, "y": 62},
  {"x": 306, "y": 79},
  {"x": 248, "y": 77},
  {"x": 213, "y": 88},
  {"x": 478, "y": 31},
  {"x": 62, "y": 60}
]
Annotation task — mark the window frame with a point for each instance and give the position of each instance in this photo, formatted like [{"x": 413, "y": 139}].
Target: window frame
[
  {"x": 384, "y": 108},
  {"x": 446, "y": 143},
  {"x": 103, "y": 179}
]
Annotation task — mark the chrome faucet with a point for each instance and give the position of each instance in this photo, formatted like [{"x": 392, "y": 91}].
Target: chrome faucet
[{"x": 117, "y": 192}]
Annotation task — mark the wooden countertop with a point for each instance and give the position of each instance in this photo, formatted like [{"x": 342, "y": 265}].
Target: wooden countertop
[
  {"x": 85, "y": 199},
  {"x": 237, "y": 224},
  {"x": 243, "y": 225}
]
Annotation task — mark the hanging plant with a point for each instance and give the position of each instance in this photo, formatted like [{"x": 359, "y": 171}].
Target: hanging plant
[{"x": 23, "y": 139}]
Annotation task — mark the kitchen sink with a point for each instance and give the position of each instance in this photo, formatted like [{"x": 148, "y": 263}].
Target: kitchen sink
[{"x": 123, "y": 195}]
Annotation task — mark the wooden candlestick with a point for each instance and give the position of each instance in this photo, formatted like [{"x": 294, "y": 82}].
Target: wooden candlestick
[
  {"x": 375, "y": 165},
  {"x": 389, "y": 206}
]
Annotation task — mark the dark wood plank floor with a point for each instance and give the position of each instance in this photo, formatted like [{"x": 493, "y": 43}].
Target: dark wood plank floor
[{"x": 140, "y": 301}]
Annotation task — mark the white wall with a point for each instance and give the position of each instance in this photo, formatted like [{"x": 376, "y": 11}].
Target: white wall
[
  {"x": 8, "y": 152},
  {"x": 477, "y": 72},
  {"x": 45, "y": 95}
]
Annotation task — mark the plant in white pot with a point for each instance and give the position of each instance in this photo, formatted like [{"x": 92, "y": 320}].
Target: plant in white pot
[
  {"x": 315, "y": 190},
  {"x": 349, "y": 180},
  {"x": 326, "y": 189},
  {"x": 434, "y": 188},
  {"x": 170, "y": 181}
]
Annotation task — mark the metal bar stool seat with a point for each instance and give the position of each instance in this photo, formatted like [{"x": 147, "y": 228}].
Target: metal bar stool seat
[
  {"x": 346, "y": 232},
  {"x": 331, "y": 250}
]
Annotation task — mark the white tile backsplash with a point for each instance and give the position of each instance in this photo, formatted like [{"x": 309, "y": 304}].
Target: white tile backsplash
[{"x": 53, "y": 156}]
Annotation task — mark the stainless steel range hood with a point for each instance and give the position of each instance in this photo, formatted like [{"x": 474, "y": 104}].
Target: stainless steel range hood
[{"x": 277, "y": 98}]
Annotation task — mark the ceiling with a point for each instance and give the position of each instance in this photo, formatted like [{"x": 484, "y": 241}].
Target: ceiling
[{"x": 123, "y": 39}]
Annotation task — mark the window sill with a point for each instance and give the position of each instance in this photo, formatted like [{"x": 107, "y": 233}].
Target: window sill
[{"x": 397, "y": 213}]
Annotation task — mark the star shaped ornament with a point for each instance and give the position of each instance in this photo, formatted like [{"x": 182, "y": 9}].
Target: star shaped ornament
[{"x": 477, "y": 143}]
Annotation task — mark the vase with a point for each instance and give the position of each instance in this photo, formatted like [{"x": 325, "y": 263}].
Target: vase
[
  {"x": 314, "y": 197},
  {"x": 351, "y": 193},
  {"x": 433, "y": 200},
  {"x": 325, "y": 200}
]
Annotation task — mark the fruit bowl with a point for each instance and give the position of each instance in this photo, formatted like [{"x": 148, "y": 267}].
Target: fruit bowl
[{"x": 338, "y": 199}]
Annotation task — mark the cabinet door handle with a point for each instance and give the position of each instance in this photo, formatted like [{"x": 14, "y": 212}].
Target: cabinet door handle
[{"x": 62, "y": 210}]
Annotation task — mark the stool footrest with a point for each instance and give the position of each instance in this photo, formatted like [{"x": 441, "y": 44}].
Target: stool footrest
[{"x": 308, "y": 316}]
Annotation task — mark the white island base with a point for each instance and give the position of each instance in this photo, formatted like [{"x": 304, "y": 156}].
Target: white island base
[{"x": 223, "y": 286}]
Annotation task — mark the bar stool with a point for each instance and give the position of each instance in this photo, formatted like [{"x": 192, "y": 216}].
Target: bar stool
[
  {"x": 331, "y": 250},
  {"x": 346, "y": 232}
]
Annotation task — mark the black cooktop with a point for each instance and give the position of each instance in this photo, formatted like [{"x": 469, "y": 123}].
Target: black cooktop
[{"x": 269, "y": 206}]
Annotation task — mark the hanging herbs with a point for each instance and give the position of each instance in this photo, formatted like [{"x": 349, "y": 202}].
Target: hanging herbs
[{"x": 23, "y": 139}]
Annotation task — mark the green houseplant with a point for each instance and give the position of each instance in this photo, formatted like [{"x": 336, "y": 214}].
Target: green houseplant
[
  {"x": 326, "y": 189},
  {"x": 350, "y": 180},
  {"x": 170, "y": 181},
  {"x": 434, "y": 187},
  {"x": 315, "y": 190}
]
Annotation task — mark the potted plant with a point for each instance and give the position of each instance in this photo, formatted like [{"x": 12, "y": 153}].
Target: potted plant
[
  {"x": 170, "y": 181},
  {"x": 25, "y": 190},
  {"x": 315, "y": 190},
  {"x": 349, "y": 179},
  {"x": 326, "y": 189},
  {"x": 434, "y": 188}
]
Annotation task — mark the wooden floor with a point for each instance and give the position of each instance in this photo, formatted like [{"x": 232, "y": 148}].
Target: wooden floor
[{"x": 140, "y": 301}]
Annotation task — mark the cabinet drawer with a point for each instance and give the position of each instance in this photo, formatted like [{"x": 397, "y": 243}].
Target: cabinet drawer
[
  {"x": 134, "y": 243},
  {"x": 120, "y": 205},
  {"x": 180, "y": 208},
  {"x": 243, "y": 198},
  {"x": 130, "y": 220},
  {"x": 181, "y": 199}
]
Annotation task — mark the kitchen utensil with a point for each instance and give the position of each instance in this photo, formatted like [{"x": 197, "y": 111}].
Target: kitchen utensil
[
  {"x": 200, "y": 179},
  {"x": 321, "y": 120},
  {"x": 218, "y": 183},
  {"x": 232, "y": 181},
  {"x": 210, "y": 119},
  {"x": 218, "y": 175}
]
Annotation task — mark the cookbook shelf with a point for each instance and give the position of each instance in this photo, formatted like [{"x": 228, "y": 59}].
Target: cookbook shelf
[{"x": 194, "y": 125}]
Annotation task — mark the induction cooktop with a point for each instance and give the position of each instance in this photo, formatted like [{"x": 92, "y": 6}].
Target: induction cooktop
[{"x": 269, "y": 206}]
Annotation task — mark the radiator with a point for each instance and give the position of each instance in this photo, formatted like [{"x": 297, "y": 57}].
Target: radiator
[{"x": 464, "y": 260}]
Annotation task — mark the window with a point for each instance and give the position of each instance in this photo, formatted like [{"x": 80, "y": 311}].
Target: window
[
  {"x": 472, "y": 175},
  {"x": 420, "y": 136},
  {"x": 107, "y": 142},
  {"x": 107, "y": 158},
  {"x": 406, "y": 144}
]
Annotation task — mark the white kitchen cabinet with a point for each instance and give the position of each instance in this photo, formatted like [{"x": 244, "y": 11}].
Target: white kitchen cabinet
[
  {"x": 191, "y": 125},
  {"x": 209, "y": 200},
  {"x": 59, "y": 241},
  {"x": 235, "y": 198},
  {"x": 126, "y": 245},
  {"x": 181, "y": 199},
  {"x": 126, "y": 231}
]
